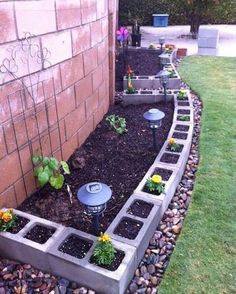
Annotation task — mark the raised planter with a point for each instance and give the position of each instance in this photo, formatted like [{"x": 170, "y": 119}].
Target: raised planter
[
  {"x": 145, "y": 96},
  {"x": 54, "y": 257}
]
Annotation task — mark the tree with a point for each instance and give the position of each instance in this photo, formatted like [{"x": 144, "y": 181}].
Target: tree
[{"x": 202, "y": 11}]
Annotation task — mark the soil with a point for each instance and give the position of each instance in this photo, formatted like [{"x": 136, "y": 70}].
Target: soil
[
  {"x": 20, "y": 223},
  {"x": 178, "y": 135},
  {"x": 142, "y": 62},
  {"x": 75, "y": 246},
  {"x": 164, "y": 173},
  {"x": 182, "y": 128},
  {"x": 183, "y": 111},
  {"x": 140, "y": 208},
  {"x": 119, "y": 256},
  {"x": 179, "y": 149},
  {"x": 128, "y": 228},
  {"x": 169, "y": 158},
  {"x": 120, "y": 161},
  {"x": 40, "y": 234},
  {"x": 183, "y": 104},
  {"x": 182, "y": 98}
]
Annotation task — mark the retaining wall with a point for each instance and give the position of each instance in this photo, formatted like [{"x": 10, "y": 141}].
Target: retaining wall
[{"x": 55, "y": 86}]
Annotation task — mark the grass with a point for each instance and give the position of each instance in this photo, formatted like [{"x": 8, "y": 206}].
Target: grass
[{"x": 204, "y": 260}]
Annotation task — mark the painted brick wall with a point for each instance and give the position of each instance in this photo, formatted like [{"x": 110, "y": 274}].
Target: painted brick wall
[{"x": 51, "y": 105}]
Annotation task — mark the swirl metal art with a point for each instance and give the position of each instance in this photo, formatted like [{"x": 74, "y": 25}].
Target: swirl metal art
[{"x": 24, "y": 53}]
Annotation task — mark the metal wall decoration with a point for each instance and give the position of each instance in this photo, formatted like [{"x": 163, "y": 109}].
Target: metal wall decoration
[{"x": 32, "y": 102}]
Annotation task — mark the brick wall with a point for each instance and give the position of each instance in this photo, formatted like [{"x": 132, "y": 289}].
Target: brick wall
[{"x": 50, "y": 105}]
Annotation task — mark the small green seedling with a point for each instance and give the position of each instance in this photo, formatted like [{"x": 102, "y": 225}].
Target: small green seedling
[
  {"x": 50, "y": 170},
  {"x": 117, "y": 123},
  {"x": 184, "y": 118}
]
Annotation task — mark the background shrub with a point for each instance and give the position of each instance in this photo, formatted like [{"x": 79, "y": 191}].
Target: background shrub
[{"x": 179, "y": 12}]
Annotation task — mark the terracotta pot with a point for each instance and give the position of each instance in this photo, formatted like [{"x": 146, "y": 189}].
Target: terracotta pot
[{"x": 181, "y": 52}]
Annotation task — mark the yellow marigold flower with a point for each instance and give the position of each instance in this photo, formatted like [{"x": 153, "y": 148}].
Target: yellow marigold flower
[
  {"x": 1, "y": 214},
  {"x": 156, "y": 179},
  {"x": 104, "y": 238},
  {"x": 172, "y": 141},
  {"x": 7, "y": 216}
]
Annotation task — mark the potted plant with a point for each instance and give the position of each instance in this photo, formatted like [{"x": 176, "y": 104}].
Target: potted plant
[
  {"x": 104, "y": 252},
  {"x": 136, "y": 36}
]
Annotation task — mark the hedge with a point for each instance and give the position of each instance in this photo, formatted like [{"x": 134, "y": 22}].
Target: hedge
[{"x": 142, "y": 10}]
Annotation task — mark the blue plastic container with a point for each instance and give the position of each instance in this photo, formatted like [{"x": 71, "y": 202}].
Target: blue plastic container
[{"x": 160, "y": 20}]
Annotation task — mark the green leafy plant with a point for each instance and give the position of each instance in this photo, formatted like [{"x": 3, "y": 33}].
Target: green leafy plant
[
  {"x": 184, "y": 118},
  {"x": 173, "y": 146},
  {"x": 117, "y": 123},
  {"x": 7, "y": 220},
  {"x": 130, "y": 87},
  {"x": 155, "y": 184},
  {"x": 182, "y": 95},
  {"x": 104, "y": 252},
  {"x": 49, "y": 170}
]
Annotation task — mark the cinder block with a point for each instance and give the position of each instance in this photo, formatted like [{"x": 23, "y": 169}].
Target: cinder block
[
  {"x": 81, "y": 39},
  {"x": 208, "y": 32},
  {"x": 208, "y": 51},
  {"x": 17, "y": 247},
  {"x": 90, "y": 275},
  {"x": 88, "y": 11},
  {"x": 59, "y": 45},
  {"x": 7, "y": 23},
  {"x": 68, "y": 13},
  {"x": 207, "y": 42},
  {"x": 39, "y": 13},
  {"x": 139, "y": 98},
  {"x": 148, "y": 228},
  {"x": 96, "y": 32}
]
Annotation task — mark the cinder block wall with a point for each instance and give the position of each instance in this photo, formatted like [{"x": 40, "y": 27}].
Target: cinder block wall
[{"x": 74, "y": 88}]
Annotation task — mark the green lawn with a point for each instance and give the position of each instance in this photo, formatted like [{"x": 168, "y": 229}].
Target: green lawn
[{"x": 204, "y": 260}]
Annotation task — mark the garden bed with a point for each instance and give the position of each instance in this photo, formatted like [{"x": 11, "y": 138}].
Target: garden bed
[{"x": 115, "y": 160}]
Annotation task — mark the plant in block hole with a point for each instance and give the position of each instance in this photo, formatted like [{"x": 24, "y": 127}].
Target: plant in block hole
[
  {"x": 184, "y": 118},
  {"x": 104, "y": 252},
  {"x": 130, "y": 87},
  {"x": 7, "y": 220},
  {"x": 173, "y": 146},
  {"x": 155, "y": 184},
  {"x": 130, "y": 72},
  {"x": 117, "y": 123},
  {"x": 50, "y": 170},
  {"x": 182, "y": 95}
]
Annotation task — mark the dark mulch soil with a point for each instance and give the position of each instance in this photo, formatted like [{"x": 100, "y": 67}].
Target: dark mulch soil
[
  {"x": 142, "y": 61},
  {"x": 40, "y": 234},
  {"x": 183, "y": 118},
  {"x": 119, "y": 256},
  {"x": 20, "y": 223},
  {"x": 164, "y": 173},
  {"x": 182, "y": 98},
  {"x": 128, "y": 228},
  {"x": 140, "y": 208},
  {"x": 182, "y": 128},
  {"x": 183, "y": 111},
  {"x": 169, "y": 158},
  {"x": 119, "y": 161},
  {"x": 75, "y": 246},
  {"x": 178, "y": 135},
  {"x": 179, "y": 149},
  {"x": 183, "y": 104}
]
